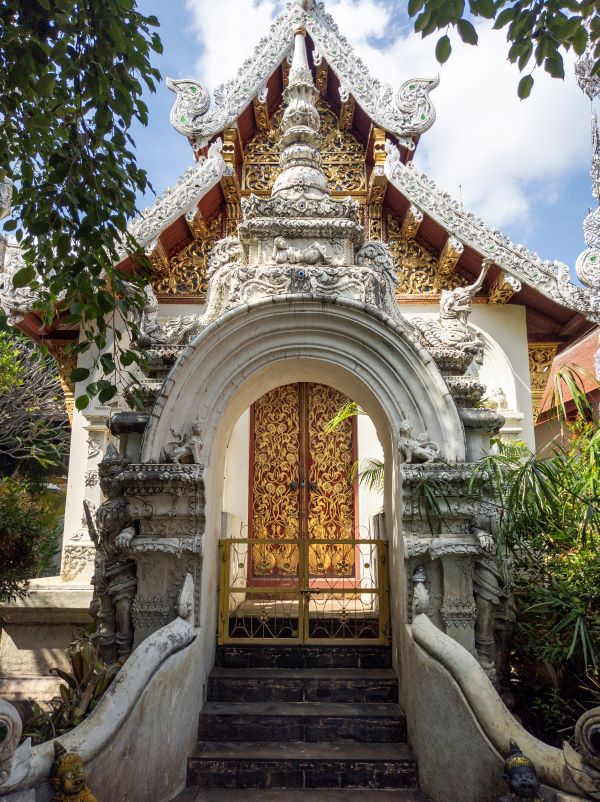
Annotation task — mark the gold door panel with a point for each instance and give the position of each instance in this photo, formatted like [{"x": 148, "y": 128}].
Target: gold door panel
[{"x": 300, "y": 483}]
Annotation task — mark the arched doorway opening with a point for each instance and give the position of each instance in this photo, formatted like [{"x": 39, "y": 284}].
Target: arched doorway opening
[
  {"x": 303, "y": 558},
  {"x": 371, "y": 359}
]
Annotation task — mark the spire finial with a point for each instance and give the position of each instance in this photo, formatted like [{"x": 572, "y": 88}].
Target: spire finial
[
  {"x": 300, "y": 158},
  {"x": 587, "y": 266}
]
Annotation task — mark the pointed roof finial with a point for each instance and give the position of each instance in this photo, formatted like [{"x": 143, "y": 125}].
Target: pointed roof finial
[
  {"x": 300, "y": 158},
  {"x": 587, "y": 266}
]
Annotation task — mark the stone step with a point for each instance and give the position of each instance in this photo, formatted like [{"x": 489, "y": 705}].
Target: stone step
[
  {"x": 300, "y": 795},
  {"x": 300, "y": 656},
  {"x": 302, "y": 721},
  {"x": 301, "y": 765},
  {"x": 303, "y": 685}
]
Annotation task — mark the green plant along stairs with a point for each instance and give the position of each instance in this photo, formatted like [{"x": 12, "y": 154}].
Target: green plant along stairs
[{"x": 302, "y": 723}]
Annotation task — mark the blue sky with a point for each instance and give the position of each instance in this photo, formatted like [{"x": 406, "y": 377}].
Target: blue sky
[{"x": 522, "y": 166}]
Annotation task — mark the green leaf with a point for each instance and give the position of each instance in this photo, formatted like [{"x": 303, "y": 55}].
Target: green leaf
[
  {"x": 579, "y": 41},
  {"x": 106, "y": 394},
  {"x": 79, "y": 374},
  {"x": 467, "y": 32},
  {"x": 570, "y": 28},
  {"x": 525, "y": 86},
  {"x": 443, "y": 49},
  {"x": 554, "y": 65},
  {"x": 504, "y": 17},
  {"x": 81, "y": 402},
  {"x": 23, "y": 277},
  {"x": 10, "y": 225},
  {"x": 484, "y": 8},
  {"x": 414, "y": 6}
]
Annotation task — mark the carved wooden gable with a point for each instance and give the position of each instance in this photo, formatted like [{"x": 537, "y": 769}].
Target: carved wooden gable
[
  {"x": 417, "y": 267},
  {"x": 183, "y": 275},
  {"x": 343, "y": 155}
]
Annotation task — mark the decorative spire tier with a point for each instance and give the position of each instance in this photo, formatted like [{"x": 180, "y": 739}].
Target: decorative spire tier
[
  {"x": 300, "y": 160},
  {"x": 587, "y": 266},
  {"x": 301, "y": 206}
]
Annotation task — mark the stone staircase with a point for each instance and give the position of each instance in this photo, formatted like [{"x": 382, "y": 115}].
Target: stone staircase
[{"x": 302, "y": 723}]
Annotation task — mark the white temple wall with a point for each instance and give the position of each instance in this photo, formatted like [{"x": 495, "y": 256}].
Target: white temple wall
[
  {"x": 370, "y": 502},
  {"x": 237, "y": 464},
  {"x": 506, "y": 359}
]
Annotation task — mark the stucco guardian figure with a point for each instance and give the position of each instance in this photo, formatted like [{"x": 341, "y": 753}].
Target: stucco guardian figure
[
  {"x": 419, "y": 449},
  {"x": 114, "y": 570}
]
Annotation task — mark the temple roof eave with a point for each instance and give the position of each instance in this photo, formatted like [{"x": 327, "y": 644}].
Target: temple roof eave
[{"x": 548, "y": 278}]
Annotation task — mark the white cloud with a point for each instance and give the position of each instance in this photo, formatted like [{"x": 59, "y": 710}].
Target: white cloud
[{"x": 504, "y": 154}]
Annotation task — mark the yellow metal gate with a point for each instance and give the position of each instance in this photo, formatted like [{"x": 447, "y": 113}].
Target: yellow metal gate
[{"x": 303, "y": 590}]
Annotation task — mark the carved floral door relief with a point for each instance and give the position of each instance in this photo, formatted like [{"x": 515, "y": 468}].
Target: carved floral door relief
[{"x": 300, "y": 483}]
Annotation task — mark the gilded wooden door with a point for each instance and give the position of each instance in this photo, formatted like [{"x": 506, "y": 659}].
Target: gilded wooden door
[{"x": 300, "y": 481}]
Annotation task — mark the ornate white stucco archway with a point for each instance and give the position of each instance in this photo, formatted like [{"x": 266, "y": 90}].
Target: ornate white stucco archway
[{"x": 370, "y": 358}]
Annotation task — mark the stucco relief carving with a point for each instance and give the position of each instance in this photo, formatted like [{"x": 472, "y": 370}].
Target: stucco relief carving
[
  {"x": 314, "y": 254},
  {"x": 416, "y": 449},
  {"x": 185, "y": 447},
  {"x": 406, "y": 113},
  {"x": 152, "y": 612},
  {"x": 75, "y": 560},
  {"x": 451, "y": 330}
]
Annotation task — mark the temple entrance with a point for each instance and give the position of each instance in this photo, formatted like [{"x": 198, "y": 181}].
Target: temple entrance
[{"x": 303, "y": 573}]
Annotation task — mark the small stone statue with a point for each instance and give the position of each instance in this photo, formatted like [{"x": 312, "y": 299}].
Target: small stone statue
[
  {"x": 189, "y": 446},
  {"x": 418, "y": 449},
  {"x": 314, "y": 254},
  {"x": 520, "y": 774},
  {"x": 68, "y": 777}
]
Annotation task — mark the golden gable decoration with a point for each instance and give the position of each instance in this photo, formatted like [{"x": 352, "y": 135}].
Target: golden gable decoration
[
  {"x": 417, "y": 266},
  {"x": 343, "y": 156},
  {"x": 184, "y": 275}
]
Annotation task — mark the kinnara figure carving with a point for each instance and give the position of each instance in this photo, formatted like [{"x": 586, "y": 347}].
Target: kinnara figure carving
[
  {"x": 186, "y": 448},
  {"x": 419, "y": 449},
  {"x": 314, "y": 254},
  {"x": 114, "y": 577}
]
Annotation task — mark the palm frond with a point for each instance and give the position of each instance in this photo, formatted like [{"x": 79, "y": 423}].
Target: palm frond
[{"x": 349, "y": 410}]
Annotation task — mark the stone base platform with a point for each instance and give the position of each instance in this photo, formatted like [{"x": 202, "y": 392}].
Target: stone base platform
[{"x": 35, "y": 634}]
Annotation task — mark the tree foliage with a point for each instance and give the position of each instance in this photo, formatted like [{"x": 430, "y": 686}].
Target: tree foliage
[
  {"x": 33, "y": 420},
  {"x": 538, "y": 32},
  {"x": 72, "y": 73},
  {"x": 550, "y": 526},
  {"x": 28, "y": 535}
]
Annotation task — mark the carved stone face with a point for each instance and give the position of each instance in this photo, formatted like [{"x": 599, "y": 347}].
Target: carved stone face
[
  {"x": 523, "y": 781},
  {"x": 72, "y": 780}
]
